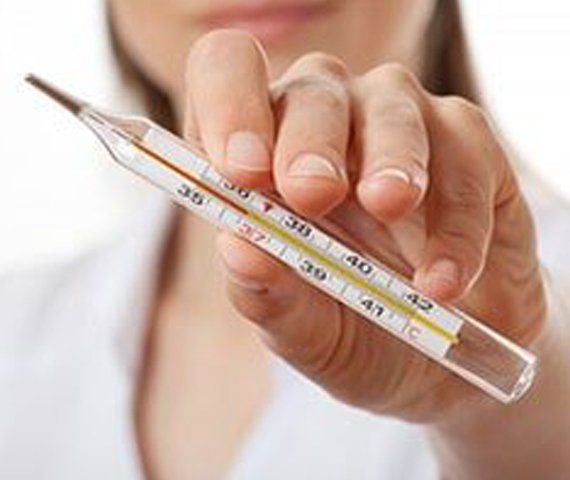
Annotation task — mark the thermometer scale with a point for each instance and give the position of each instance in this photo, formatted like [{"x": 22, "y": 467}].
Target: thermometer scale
[{"x": 448, "y": 336}]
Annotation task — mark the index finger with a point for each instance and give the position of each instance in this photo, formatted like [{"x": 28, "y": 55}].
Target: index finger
[{"x": 228, "y": 103}]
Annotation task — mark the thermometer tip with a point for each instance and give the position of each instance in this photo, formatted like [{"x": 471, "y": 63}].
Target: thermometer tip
[{"x": 67, "y": 101}]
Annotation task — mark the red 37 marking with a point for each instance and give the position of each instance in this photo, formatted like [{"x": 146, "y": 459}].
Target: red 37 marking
[{"x": 250, "y": 232}]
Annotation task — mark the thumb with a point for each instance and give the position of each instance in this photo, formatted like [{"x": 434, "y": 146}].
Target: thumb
[
  {"x": 298, "y": 322},
  {"x": 354, "y": 360}
]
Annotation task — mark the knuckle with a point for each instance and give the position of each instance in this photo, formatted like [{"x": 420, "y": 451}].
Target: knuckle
[
  {"x": 327, "y": 94},
  {"x": 395, "y": 74},
  {"x": 324, "y": 63},
  {"x": 463, "y": 110},
  {"x": 315, "y": 89},
  {"x": 404, "y": 121},
  {"x": 399, "y": 110},
  {"x": 403, "y": 114},
  {"x": 225, "y": 45},
  {"x": 467, "y": 193}
]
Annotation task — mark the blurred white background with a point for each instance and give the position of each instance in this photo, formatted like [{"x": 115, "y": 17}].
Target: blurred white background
[{"x": 60, "y": 194}]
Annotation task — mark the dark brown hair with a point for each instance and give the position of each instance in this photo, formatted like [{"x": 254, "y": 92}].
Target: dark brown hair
[{"x": 447, "y": 67}]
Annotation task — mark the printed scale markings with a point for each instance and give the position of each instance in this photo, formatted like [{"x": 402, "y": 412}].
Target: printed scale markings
[{"x": 332, "y": 264}]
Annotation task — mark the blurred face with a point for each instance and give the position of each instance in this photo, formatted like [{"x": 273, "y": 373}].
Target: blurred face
[{"x": 158, "y": 33}]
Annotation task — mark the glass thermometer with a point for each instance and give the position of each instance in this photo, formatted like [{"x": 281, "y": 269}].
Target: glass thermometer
[{"x": 448, "y": 336}]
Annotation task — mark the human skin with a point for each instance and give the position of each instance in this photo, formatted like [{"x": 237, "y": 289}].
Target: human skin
[{"x": 426, "y": 181}]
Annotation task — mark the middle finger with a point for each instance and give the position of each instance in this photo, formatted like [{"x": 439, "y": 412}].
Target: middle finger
[{"x": 313, "y": 110}]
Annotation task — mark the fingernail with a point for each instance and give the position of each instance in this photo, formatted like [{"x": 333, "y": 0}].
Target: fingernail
[
  {"x": 313, "y": 165},
  {"x": 391, "y": 176},
  {"x": 247, "y": 151},
  {"x": 444, "y": 271}
]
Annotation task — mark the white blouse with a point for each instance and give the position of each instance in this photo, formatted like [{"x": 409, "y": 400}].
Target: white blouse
[{"x": 70, "y": 344}]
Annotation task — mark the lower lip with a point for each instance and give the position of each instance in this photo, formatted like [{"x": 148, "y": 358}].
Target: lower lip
[{"x": 269, "y": 27}]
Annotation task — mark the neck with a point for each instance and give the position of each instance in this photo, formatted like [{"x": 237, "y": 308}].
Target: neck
[
  {"x": 196, "y": 282},
  {"x": 198, "y": 355}
]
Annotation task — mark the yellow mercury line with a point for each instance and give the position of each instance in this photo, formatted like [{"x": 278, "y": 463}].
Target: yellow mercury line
[
  {"x": 388, "y": 299},
  {"x": 276, "y": 229}
]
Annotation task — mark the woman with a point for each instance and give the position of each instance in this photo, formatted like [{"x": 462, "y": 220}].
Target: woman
[{"x": 133, "y": 363}]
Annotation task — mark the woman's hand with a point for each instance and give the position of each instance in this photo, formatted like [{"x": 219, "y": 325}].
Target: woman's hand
[{"x": 421, "y": 180}]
